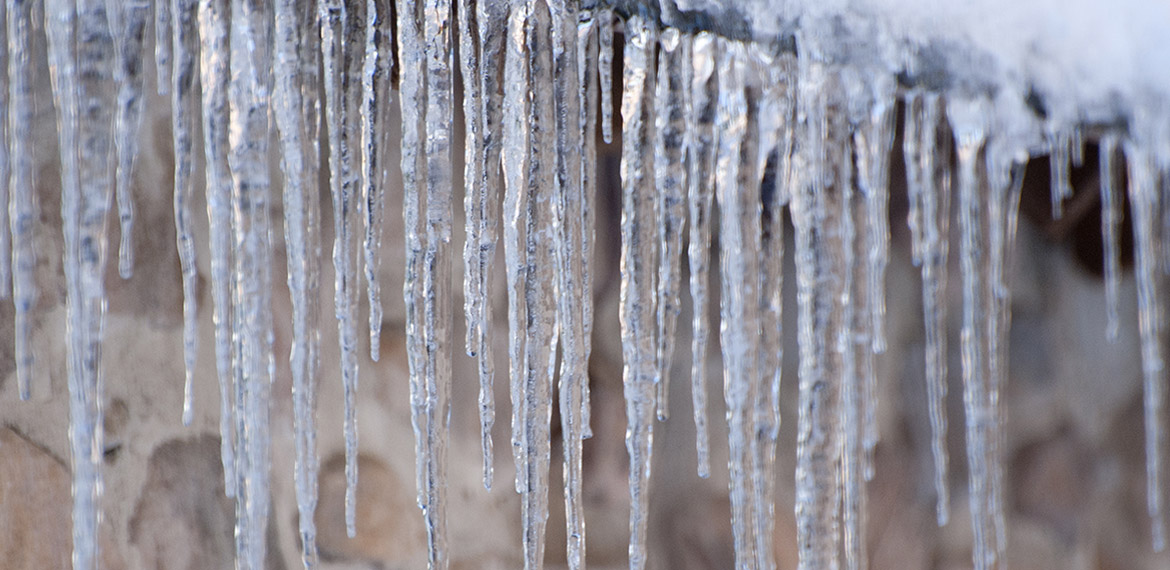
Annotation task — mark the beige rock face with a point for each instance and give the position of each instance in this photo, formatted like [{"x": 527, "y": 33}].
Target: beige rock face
[{"x": 1074, "y": 456}]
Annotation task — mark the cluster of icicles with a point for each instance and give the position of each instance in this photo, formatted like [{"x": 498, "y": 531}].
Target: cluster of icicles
[{"x": 751, "y": 127}]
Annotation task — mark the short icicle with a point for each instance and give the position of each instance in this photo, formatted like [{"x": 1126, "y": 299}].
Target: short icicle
[
  {"x": 296, "y": 111},
  {"x": 638, "y": 263},
  {"x": 1110, "y": 227},
  {"x": 127, "y": 22}
]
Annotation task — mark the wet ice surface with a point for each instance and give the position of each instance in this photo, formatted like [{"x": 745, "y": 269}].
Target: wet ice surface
[{"x": 716, "y": 132}]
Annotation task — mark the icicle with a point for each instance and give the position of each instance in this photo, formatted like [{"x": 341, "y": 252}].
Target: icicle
[
  {"x": 587, "y": 81},
  {"x": 1144, "y": 198},
  {"x": 482, "y": 63},
  {"x": 251, "y": 67},
  {"x": 214, "y": 77},
  {"x": 701, "y": 149},
  {"x": 569, "y": 215},
  {"x": 5, "y": 159},
  {"x": 530, "y": 171},
  {"x": 1058, "y": 160},
  {"x": 81, "y": 63},
  {"x": 376, "y": 71},
  {"x": 821, "y": 161},
  {"x": 777, "y": 101},
  {"x": 752, "y": 428},
  {"x": 342, "y": 45},
  {"x": 22, "y": 204},
  {"x": 184, "y": 119},
  {"x": 873, "y": 140},
  {"x": 162, "y": 45},
  {"x": 968, "y": 119},
  {"x": 605, "y": 25},
  {"x": 672, "y": 88},
  {"x": 296, "y": 111},
  {"x": 128, "y": 24},
  {"x": 638, "y": 268},
  {"x": 1110, "y": 225},
  {"x": 929, "y": 190}
]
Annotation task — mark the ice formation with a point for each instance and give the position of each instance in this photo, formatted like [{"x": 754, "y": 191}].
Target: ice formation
[{"x": 792, "y": 112}]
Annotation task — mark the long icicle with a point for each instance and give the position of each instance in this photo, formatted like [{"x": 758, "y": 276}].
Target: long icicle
[
  {"x": 820, "y": 151},
  {"x": 22, "y": 201},
  {"x": 342, "y": 45},
  {"x": 569, "y": 206},
  {"x": 214, "y": 78},
  {"x": 296, "y": 111},
  {"x": 587, "y": 81},
  {"x": 701, "y": 149},
  {"x": 6, "y": 145},
  {"x": 376, "y": 70},
  {"x": 737, "y": 190},
  {"x": 252, "y": 362},
  {"x": 1144, "y": 198},
  {"x": 638, "y": 263},
  {"x": 81, "y": 56},
  {"x": 929, "y": 190},
  {"x": 128, "y": 23},
  {"x": 670, "y": 196},
  {"x": 184, "y": 120}
]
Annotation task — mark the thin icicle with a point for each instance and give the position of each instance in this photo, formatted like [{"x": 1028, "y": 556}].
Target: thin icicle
[
  {"x": 214, "y": 78},
  {"x": 128, "y": 24},
  {"x": 184, "y": 120},
  {"x": 605, "y": 18},
  {"x": 1058, "y": 161},
  {"x": 296, "y": 111},
  {"x": 342, "y": 45},
  {"x": 929, "y": 190},
  {"x": 638, "y": 262},
  {"x": 81, "y": 63},
  {"x": 492, "y": 24},
  {"x": 252, "y": 362},
  {"x": 820, "y": 157},
  {"x": 5, "y": 159},
  {"x": 1110, "y": 225},
  {"x": 701, "y": 149},
  {"x": 376, "y": 72},
  {"x": 1144, "y": 204},
  {"x": 569, "y": 205},
  {"x": 672, "y": 89},
  {"x": 587, "y": 82},
  {"x": 22, "y": 204}
]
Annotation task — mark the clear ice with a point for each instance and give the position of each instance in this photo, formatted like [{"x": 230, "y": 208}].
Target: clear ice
[{"x": 717, "y": 132}]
